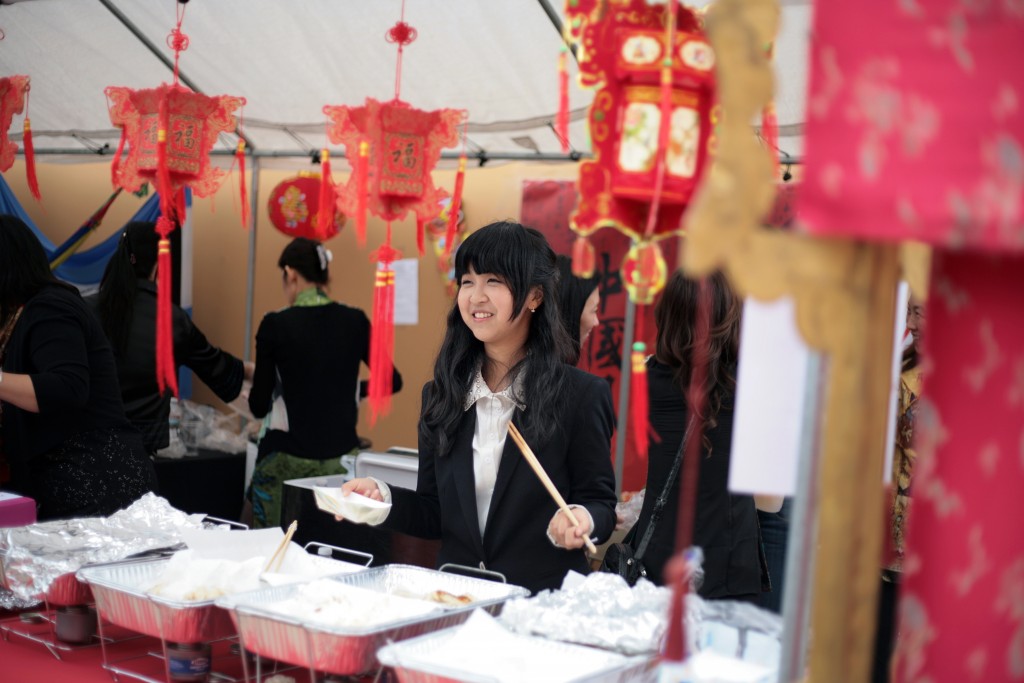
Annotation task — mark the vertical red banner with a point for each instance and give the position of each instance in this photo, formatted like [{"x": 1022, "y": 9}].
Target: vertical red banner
[{"x": 546, "y": 206}]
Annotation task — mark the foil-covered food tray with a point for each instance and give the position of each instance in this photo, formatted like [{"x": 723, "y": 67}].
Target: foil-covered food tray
[
  {"x": 122, "y": 599},
  {"x": 348, "y": 650},
  {"x": 442, "y": 657}
]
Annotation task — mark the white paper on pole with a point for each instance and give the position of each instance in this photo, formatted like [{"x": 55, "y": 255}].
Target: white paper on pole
[
  {"x": 899, "y": 329},
  {"x": 770, "y": 390},
  {"x": 407, "y": 291}
]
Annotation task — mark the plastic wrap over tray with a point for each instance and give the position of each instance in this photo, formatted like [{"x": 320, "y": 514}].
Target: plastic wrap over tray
[
  {"x": 346, "y": 651},
  {"x": 122, "y": 599},
  {"x": 38, "y": 562},
  {"x": 480, "y": 651}
]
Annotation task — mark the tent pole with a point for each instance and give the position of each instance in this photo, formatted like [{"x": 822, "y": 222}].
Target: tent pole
[
  {"x": 250, "y": 275},
  {"x": 625, "y": 374},
  {"x": 164, "y": 59}
]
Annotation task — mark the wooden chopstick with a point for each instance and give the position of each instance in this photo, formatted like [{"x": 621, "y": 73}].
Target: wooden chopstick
[
  {"x": 546, "y": 480},
  {"x": 282, "y": 549}
]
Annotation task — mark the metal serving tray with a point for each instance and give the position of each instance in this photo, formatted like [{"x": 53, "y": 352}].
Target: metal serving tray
[
  {"x": 121, "y": 601},
  {"x": 401, "y": 657},
  {"x": 348, "y": 651}
]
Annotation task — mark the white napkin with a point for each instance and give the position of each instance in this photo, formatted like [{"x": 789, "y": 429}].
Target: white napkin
[{"x": 353, "y": 507}]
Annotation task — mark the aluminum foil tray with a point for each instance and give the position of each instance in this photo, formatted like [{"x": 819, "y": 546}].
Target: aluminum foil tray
[
  {"x": 120, "y": 601},
  {"x": 397, "y": 655},
  {"x": 348, "y": 651}
]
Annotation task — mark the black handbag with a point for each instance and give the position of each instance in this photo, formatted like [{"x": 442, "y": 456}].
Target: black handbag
[{"x": 621, "y": 558}]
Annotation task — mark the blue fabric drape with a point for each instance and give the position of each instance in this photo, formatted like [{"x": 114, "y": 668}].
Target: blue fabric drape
[{"x": 85, "y": 267}]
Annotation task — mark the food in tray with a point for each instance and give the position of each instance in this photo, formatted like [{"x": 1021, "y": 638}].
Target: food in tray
[
  {"x": 450, "y": 599},
  {"x": 335, "y": 604}
]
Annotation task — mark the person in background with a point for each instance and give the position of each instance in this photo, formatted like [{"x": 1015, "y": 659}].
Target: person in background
[
  {"x": 774, "y": 527},
  {"x": 725, "y": 524},
  {"x": 899, "y": 495},
  {"x": 65, "y": 435},
  {"x": 578, "y": 300},
  {"x": 307, "y": 378},
  {"x": 126, "y": 306},
  {"x": 502, "y": 362}
]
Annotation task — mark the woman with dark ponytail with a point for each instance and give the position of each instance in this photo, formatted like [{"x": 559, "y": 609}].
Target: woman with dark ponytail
[
  {"x": 307, "y": 379},
  {"x": 503, "y": 360},
  {"x": 126, "y": 306}
]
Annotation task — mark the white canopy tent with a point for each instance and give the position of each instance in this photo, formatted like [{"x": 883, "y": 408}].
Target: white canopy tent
[{"x": 495, "y": 58}]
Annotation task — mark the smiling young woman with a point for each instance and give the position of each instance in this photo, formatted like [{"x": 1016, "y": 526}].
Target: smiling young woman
[{"x": 502, "y": 361}]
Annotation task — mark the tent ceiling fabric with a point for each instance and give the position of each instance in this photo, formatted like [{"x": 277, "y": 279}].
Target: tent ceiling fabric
[{"x": 495, "y": 58}]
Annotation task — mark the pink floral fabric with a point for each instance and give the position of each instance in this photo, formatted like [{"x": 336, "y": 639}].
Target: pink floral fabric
[
  {"x": 961, "y": 613},
  {"x": 915, "y": 122}
]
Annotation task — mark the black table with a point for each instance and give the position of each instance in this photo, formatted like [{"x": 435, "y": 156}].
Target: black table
[{"x": 210, "y": 482}]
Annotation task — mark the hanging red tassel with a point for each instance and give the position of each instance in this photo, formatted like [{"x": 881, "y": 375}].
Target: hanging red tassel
[
  {"x": 166, "y": 371},
  {"x": 382, "y": 334},
  {"x": 562, "y": 119},
  {"x": 115, "y": 166},
  {"x": 362, "y": 182},
  {"x": 243, "y": 192},
  {"x": 455, "y": 206},
  {"x": 584, "y": 258},
  {"x": 638, "y": 417},
  {"x": 30, "y": 161},
  {"x": 421, "y": 230},
  {"x": 325, "y": 213}
]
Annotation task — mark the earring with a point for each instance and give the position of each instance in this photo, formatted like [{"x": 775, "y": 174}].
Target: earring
[{"x": 533, "y": 310}]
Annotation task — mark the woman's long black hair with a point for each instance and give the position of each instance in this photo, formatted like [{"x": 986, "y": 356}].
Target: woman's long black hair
[
  {"x": 134, "y": 258},
  {"x": 24, "y": 268},
  {"x": 676, "y": 317},
  {"x": 573, "y": 293},
  {"x": 522, "y": 257}
]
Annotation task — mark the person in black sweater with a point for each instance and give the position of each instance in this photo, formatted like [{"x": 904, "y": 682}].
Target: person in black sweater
[
  {"x": 65, "y": 436},
  {"x": 126, "y": 306},
  {"x": 307, "y": 378},
  {"x": 725, "y": 526}
]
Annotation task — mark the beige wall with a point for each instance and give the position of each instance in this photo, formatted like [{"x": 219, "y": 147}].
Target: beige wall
[{"x": 71, "y": 192}]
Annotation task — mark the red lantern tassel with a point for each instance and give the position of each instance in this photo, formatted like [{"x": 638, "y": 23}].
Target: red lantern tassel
[
  {"x": 362, "y": 181},
  {"x": 115, "y": 166},
  {"x": 163, "y": 172},
  {"x": 562, "y": 119},
  {"x": 30, "y": 161},
  {"x": 455, "y": 206},
  {"x": 584, "y": 258},
  {"x": 166, "y": 371},
  {"x": 638, "y": 417},
  {"x": 243, "y": 193},
  {"x": 325, "y": 214},
  {"x": 382, "y": 335}
]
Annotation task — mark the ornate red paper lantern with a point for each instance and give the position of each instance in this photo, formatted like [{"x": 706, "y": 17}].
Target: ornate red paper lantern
[
  {"x": 294, "y": 206},
  {"x": 14, "y": 100},
  {"x": 393, "y": 148},
  {"x": 169, "y": 131}
]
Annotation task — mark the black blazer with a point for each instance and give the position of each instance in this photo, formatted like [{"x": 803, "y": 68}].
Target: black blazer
[
  {"x": 577, "y": 457},
  {"x": 726, "y": 523}
]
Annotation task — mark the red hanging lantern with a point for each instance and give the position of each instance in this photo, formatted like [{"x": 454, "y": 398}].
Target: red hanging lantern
[
  {"x": 392, "y": 148},
  {"x": 14, "y": 100},
  {"x": 294, "y": 204},
  {"x": 169, "y": 131},
  {"x": 651, "y": 129}
]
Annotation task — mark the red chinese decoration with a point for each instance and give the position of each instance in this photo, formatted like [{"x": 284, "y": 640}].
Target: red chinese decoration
[
  {"x": 294, "y": 208},
  {"x": 651, "y": 129},
  {"x": 14, "y": 100},
  {"x": 169, "y": 131},
  {"x": 393, "y": 148}
]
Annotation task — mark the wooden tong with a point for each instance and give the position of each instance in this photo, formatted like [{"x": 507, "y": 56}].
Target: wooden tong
[
  {"x": 546, "y": 480},
  {"x": 282, "y": 549}
]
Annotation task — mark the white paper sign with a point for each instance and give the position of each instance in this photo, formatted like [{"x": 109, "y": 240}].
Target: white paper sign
[
  {"x": 770, "y": 389},
  {"x": 407, "y": 291}
]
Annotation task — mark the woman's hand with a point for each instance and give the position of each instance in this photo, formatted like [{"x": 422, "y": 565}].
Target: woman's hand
[
  {"x": 565, "y": 534},
  {"x": 364, "y": 486}
]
